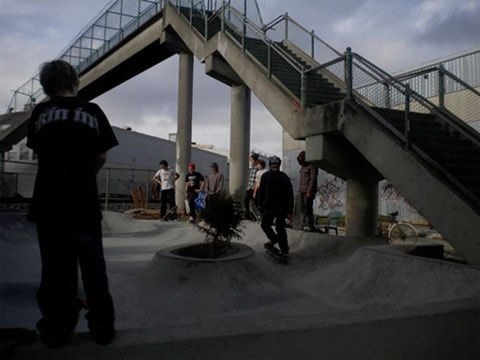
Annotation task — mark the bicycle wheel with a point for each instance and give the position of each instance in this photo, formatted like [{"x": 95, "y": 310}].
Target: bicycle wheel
[{"x": 402, "y": 233}]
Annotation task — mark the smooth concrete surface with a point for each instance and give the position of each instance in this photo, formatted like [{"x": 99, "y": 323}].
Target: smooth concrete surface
[{"x": 339, "y": 297}]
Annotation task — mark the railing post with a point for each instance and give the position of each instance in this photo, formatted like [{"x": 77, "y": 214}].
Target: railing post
[
  {"x": 441, "y": 86},
  {"x": 349, "y": 73},
  {"x": 387, "y": 98},
  {"x": 408, "y": 92},
  {"x": 269, "y": 59},
  {"x": 286, "y": 26},
  {"x": 303, "y": 90},
  {"x": 244, "y": 27},
  {"x": 222, "y": 17},
  {"x": 312, "y": 39},
  {"x": 147, "y": 189}
]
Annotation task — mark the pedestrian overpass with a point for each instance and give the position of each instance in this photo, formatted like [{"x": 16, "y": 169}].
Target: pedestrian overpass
[{"x": 358, "y": 122}]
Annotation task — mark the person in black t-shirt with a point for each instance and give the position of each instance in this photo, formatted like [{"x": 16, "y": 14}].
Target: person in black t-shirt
[
  {"x": 70, "y": 137},
  {"x": 194, "y": 184}
]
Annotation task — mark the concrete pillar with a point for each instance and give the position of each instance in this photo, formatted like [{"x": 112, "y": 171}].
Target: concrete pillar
[
  {"x": 239, "y": 140},
  {"x": 362, "y": 208},
  {"x": 184, "y": 126}
]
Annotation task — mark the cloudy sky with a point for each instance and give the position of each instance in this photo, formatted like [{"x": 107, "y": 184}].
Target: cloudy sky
[{"x": 394, "y": 34}]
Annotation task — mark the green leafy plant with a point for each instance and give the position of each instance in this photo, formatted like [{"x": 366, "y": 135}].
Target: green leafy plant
[{"x": 222, "y": 218}]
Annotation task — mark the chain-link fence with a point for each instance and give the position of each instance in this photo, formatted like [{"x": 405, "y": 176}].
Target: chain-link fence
[{"x": 119, "y": 188}]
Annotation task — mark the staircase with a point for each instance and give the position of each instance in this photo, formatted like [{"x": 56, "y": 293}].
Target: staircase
[
  {"x": 312, "y": 100},
  {"x": 433, "y": 140},
  {"x": 454, "y": 156}
]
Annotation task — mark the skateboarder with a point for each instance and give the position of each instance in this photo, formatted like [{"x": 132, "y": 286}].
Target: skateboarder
[
  {"x": 275, "y": 198},
  {"x": 70, "y": 136}
]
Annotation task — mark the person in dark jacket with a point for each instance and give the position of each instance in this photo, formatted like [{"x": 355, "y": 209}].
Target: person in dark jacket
[
  {"x": 275, "y": 199},
  {"x": 71, "y": 138},
  {"x": 307, "y": 189}
]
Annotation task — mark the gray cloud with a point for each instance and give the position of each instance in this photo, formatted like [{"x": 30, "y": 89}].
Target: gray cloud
[{"x": 394, "y": 34}]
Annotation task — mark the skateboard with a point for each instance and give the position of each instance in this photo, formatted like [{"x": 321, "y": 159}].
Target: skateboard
[
  {"x": 255, "y": 211},
  {"x": 168, "y": 213},
  {"x": 275, "y": 253}
]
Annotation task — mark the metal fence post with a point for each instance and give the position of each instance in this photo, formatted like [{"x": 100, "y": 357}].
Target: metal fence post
[
  {"x": 286, "y": 26},
  {"x": 349, "y": 73},
  {"x": 441, "y": 86},
  {"x": 107, "y": 181},
  {"x": 408, "y": 92},
  {"x": 313, "y": 43},
  {"x": 388, "y": 101}
]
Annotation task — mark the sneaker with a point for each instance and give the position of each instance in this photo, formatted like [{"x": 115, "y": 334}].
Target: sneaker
[
  {"x": 191, "y": 219},
  {"x": 270, "y": 247},
  {"x": 54, "y": 339},
  {"x": 103, "y": 335}
]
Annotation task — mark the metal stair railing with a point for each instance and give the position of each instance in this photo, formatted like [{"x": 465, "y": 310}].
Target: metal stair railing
[
  {"x": 241, "y": 29},
  {"x": 378, "y": 88},
  {"x": 115, "y": 22},
  {"x": 439, "y": 85}
]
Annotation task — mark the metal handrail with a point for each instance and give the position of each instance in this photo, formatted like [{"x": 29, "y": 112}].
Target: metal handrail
[
  {"x": 229, "y": 11},
  {"x": 430, "y": 107},
  {"x": 98, "y": 48}
]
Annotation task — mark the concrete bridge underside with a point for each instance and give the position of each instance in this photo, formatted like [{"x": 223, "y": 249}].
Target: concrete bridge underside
[{"x": 339, "y": 138}]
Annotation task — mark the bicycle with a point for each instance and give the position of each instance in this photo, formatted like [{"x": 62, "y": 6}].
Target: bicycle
[{"x": 401, "y": 232}]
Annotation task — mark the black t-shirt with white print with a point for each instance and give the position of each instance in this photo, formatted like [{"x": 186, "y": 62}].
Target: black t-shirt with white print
[
  {"x": 193, "y": 180},
  {"x": 67, "y": 134}
]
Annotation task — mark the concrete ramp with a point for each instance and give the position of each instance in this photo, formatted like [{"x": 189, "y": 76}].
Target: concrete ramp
[
  {"x": 336, "y": 298},
  {"x": 386, "y": 277}
]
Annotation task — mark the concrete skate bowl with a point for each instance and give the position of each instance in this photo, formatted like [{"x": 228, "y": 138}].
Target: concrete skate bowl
[
  {"x": 183, "y": 289},
  {"x": 379, "y": 277},
  {"x": 121, "y": 225}
]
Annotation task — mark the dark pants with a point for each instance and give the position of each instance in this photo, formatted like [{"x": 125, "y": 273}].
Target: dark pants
[
  {"x": 191, "y": 203},
  {"x": 246, "y": 203},
  {"x": 211, "y": 198},
  {"x": 167, "y": 198},
  {"x": 306, "y": 207},
  {"x": 62, "y": 249},
  {"x": 280, "y": 236}
]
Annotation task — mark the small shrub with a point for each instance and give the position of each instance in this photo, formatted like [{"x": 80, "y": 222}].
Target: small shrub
[{"x": 222, "y": 218}]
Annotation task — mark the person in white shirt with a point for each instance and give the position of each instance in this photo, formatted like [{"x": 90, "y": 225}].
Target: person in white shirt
[
  {"x": 261, "y": 169},
  {"x": 166, "y": 178}
]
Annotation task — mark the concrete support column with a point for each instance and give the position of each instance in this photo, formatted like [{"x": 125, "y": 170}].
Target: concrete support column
[
  {"x": 239, "y": 140},
  {"x": 362, "y": 208},
  {"x": 184, "y": 126}
]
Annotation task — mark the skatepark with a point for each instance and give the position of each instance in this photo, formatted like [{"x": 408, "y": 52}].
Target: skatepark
[{"x": 338, "y": 297}]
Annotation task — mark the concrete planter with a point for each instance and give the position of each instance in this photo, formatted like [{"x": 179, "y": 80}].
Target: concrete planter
[{"x": 194, "y": 252}]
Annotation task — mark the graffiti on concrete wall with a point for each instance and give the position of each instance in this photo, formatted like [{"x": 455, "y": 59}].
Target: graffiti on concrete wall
[
  {"x": 392, "y": 201},
  {"x": 330, "y": 196}
]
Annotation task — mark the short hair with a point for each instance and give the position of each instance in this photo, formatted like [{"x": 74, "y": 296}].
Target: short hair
[
  {"x": 254, "y": 156},
  {"x": 261, "y": 162},
  {"x": 58, "y": 76},
  {"x": 164, "y": 162}
]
